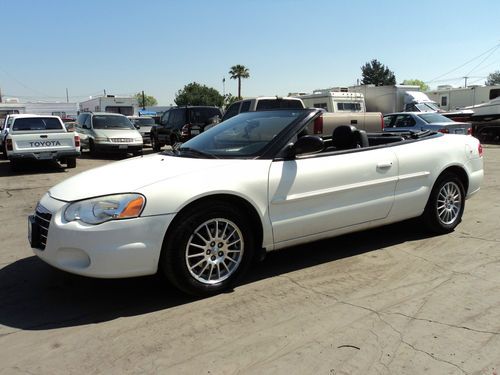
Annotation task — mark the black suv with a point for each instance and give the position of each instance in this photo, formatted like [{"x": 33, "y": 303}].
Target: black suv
[{"x": 179, "y": 124}]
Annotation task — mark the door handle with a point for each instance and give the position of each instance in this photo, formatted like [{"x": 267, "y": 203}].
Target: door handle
[{"x": 384, "y": 165}]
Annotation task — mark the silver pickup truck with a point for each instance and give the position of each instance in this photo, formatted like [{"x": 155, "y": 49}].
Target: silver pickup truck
[{"x": 33, "y": 137}]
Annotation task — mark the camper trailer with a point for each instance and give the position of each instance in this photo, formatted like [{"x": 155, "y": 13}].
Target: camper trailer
[
  {"x": 451, "y": 98},
  {"x": 126, "y": 105}
]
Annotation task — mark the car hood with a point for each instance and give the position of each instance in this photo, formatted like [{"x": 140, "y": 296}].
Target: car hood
[
  {"x": 129, "y": 176},
  {"x": 117, "y": 133}
]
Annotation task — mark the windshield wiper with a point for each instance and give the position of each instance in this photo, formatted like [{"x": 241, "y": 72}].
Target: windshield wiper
[{"x": 197, "y": 152}]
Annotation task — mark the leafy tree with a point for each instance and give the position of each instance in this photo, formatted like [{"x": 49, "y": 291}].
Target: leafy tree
[
  {"x": 196, "y": 94},
  {"x": 376, "y": 73},
  {"x": 229, "y": 99},
  {"x": 149, "y": 100},
  {"x": 416, "y": 82},
  {"x": 238, "y": 72},
  {"x": 493, "y": 79}
]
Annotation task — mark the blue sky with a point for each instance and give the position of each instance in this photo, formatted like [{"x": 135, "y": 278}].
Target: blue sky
[{"x": 288, "y": 45}]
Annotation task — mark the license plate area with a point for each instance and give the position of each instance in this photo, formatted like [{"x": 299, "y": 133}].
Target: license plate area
[
  {"x": 122, "y": 147},
  {"x": 44, "y": 155}
]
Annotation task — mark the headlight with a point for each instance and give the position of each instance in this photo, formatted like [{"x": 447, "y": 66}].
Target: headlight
[
  {"x": 101, "y": 209},
  {"x": 101, "y": 139},
  {"x": 138, "y": 139}
]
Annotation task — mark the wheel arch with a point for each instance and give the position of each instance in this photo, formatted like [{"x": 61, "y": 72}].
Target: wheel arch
[
  {"x": 460, "y": 173},
  {"x": 237, "y": 201}
]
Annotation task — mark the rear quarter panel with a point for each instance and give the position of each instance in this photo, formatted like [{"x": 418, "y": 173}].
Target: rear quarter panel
[{"x": 420, "y": 164}]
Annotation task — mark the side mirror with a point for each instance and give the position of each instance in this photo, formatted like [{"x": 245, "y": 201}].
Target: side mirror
[
  {"x": 137, "y": 126},
  {"x": 85, "y": 127},
  {"x": 308, "y": 144}
]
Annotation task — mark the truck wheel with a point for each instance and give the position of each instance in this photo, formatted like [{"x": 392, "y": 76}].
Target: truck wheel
[
  {"x": 155, "y": 144},
  {"x": 14, "y": 165},
  {"x": 4, "y": 152},
  {"x": 71, "y": 162},
  {"x": 137, "y": 153},
  {"x": 446, "y": 204},
  {"x": 211, "y": 247}
]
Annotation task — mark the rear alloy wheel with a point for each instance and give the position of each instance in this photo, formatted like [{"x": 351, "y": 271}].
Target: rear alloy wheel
[
  {"x": 211, "y": 247},
  {"x": 446, "y": 204}
]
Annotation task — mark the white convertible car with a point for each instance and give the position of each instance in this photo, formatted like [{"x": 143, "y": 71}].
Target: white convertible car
[{"x": 258, "y": 181}]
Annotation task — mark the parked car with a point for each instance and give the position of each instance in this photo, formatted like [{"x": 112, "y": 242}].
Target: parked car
[
  {"x": 418, "y": 121},
  {"x": 179, "y": 124},
  {"x": 202, "y": 212},
  {"x": 261, "y": 103},
  {"x": 108, "y": 132},
  {"x": 34, "y": 137},
  {"x": 4, "y": 130},
  {"x": 144, "y": 125}
]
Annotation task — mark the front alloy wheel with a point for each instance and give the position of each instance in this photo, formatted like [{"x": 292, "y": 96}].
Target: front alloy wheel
[
  {"x": 214, "y": 251},
  {"x": 210, "y": 247}
]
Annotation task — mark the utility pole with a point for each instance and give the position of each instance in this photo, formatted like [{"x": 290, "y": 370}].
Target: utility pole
[
  {"x": 104, "y": 92},
  {"x": 0, "y": 95},
  {"x": 466, "y": 81},
  {"x": 67, "y": 96},
  {"x": 224, "y": 87},
  {"x": 143, "y": 101}
]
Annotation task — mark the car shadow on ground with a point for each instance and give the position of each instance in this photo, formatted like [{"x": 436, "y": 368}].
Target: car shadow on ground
[
  {"x": 27, "y": 167},
  {"x": 112, "y": 156},
  {"x": 36, "y": 296}
]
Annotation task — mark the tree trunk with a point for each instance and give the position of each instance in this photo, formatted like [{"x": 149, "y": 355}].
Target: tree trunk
[{"x": 239, "y": 87}]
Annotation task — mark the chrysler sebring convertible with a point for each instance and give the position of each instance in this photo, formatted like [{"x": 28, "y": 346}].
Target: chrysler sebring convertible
[{"x": 257, "y": 182}]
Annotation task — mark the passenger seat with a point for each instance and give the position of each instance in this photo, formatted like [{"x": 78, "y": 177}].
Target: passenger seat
[{"x": 346, "y": 137}]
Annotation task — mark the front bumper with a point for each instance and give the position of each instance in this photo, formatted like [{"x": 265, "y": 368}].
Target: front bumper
[
  {"x": 118, "y": 147},
  {"x": 117, "y": 248}
]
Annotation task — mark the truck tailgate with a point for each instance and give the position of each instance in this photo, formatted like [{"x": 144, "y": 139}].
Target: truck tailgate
[{"x": 42, "y": 142}]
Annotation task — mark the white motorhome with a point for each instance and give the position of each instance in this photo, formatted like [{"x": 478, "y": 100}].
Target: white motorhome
[
  {"x": 125, "y": 105},
  {"x": 395, "y": 98},
  {"x": 334, "y": 99},
  {"x": 450, "y": 98}
]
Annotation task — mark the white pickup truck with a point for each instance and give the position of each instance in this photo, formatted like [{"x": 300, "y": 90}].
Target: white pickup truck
[{"x": 33, "y": 137}]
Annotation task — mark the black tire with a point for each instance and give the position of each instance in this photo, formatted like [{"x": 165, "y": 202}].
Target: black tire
[
  {"x": 182, "y": 271},
  {"x": 137, "y": 153},
  {"x": 4, "y": 151},
  {"x": 71, "y": 162},
  {"x": 92, "y": 149},
  {"x": 155, "y": 144},
  {"x": 14, "y": 165},
  {"x": 446, "y": 204}
]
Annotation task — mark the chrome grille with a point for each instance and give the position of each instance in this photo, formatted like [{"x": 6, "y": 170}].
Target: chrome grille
[
  {"x": 122, "y": 140},
  {"x": 42, "y": 218}
]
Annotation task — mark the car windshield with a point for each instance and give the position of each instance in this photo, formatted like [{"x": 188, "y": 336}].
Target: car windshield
[
  {"x": 434, "y": 117},
  {"x": 242, "y": 136},
  {"x": 37, "y": 123},
  {"x": 111, "y": 122}
]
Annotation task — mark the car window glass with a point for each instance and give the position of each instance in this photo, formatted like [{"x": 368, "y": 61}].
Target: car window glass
[
  {"x": 37, "y": 123},
  {"x": 87, "y": 121},
  {"x": 388, "y": 121},
  {"x": 111, "y": 122},
  {"x": 265, "y": 104},
  {"x": 202, "y": 115},
  {"x": 245, "y": 106},
  {"x": 231, "y": 111},
  {"x": 165, "y": 118},
  {"x": 404, "y": 121}
]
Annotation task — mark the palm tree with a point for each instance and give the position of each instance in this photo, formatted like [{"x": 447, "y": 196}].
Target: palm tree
[{"x": 239, "y": 72}]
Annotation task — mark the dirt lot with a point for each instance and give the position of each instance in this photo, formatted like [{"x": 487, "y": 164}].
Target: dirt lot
[{"x": 389, "y": 300}]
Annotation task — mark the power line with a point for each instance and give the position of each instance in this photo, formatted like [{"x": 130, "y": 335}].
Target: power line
[
  {"x": 483, "y": 60},
  {"x": 464, "y": 64}
]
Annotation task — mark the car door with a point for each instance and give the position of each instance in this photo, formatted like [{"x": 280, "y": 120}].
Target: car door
[
  {"x": 83, "y": 129},
  {"x": 315, "y": 195},
  {"x": 163, "y": 130}
]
